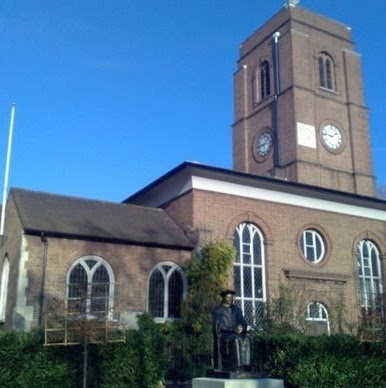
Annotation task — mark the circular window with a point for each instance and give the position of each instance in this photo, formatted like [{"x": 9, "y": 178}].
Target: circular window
[{"x": 312, "y": 246}]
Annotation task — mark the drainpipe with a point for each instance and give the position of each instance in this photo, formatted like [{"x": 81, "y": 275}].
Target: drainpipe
[
  {"x": 275, "y": 108},
  {"x": 245, "y": 115},
  {"x": 43, "y": 280}
]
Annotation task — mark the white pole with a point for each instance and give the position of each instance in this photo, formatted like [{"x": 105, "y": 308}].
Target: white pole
[{"x": 7, "y": 163}]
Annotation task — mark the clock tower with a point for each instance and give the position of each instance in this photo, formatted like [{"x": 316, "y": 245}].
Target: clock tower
[{"x": 299, "y": 109}]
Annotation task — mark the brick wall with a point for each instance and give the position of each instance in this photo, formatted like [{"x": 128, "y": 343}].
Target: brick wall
[
  {"x": 130, "y": 264},
  {"x": 303, "y": 35},
  {"x": 216, "y": 216}
]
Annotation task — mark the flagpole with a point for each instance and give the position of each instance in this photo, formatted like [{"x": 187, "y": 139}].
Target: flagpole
[{"x": 7, "y": 164}]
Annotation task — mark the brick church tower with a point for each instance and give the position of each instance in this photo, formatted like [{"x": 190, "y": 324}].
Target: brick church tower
[{"x": 299, "y": 108}]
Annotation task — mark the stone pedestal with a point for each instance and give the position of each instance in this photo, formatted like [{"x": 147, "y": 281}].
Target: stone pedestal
[{"x": 210, "y": 382}]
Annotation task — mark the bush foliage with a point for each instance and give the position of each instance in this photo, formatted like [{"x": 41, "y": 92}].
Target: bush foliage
[
  {"x": 24, "y": 362},
  {"x": 144, "y": 360},
  {"x": 182, "y": 349},
  {"x": 139, "y": 362},
  {"x": 324, "y": 361}
]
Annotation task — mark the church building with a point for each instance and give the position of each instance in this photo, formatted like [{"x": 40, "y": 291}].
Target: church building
[{"x": 298, "y": 205}]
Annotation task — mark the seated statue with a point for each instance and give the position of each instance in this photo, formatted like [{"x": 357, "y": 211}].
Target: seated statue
[{"x": 231, "y": 342}]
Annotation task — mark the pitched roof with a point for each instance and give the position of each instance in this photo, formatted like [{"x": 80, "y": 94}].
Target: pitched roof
[{"x": 71, "y": 217}]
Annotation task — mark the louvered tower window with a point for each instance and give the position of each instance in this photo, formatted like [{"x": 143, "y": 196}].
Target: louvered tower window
[
  {"x": 265, "y": 80},
  {"x": 326, "y": 71}
]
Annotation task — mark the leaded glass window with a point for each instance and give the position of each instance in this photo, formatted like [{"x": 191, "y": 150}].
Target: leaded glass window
[
  {"x": 369, "y": 270},
  {"x": 167, "y": 286},
  {"x": 317, "y": 315},
  {"x": 90, "y": 287},
  {"x": 249, "y": 272}
]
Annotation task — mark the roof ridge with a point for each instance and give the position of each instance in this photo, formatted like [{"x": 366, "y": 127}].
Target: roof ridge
[{"x": 78, "y": 198}]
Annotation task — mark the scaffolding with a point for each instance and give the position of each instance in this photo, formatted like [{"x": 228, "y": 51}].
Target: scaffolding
[
  {"x": 74, "y": 329},
  {"x": 372, "y": 325}
]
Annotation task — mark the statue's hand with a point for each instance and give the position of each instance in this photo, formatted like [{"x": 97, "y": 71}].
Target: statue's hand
[{"x": 239, "y": 329}]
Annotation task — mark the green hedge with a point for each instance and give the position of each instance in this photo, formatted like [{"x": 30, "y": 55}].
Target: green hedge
[
  {"x": 139, "y": 362},
  {"x": 24, "y": 362},
  {"x": 156, "y": 353},
  {"x": 325, "y": 361}
]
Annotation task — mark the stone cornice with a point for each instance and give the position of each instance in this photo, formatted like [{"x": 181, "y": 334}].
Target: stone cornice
[{"x": 317, "y": 276}]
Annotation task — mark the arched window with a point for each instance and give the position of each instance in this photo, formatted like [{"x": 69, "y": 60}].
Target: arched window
[
  {"x": 90, "y": 287},
  {"x": 369, "y": 269},
  {"x": 317, "y": 314},
  {"x": 249, "y": 272},
  {"x": 326, "y": 71},
  {"x": 166, "y": 289},
  {"x": 4, "y": 289},
  {"x": 265, "y": 80},
  {"x": 261, "y": 82}
]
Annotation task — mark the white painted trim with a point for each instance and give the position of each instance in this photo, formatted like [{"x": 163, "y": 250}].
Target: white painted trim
[
  {"x": 4, "y": 289},
  {"x": 321, "y": 307},
  {"x": 23, "y": 313},
  {"x": 90, "y": 273},
  {"x": 368, "y": 298},
  {"x": 166, "y": 278},
  {"x": 240, "y": 266},
  {"x": 286, "y": 198}
]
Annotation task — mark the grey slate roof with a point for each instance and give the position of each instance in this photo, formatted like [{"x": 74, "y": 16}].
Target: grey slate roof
[{"x": 71, "y": 217}]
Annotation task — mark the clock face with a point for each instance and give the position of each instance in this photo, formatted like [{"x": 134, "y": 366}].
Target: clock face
[
  {"x": 264, "y": 144},
  {"x": 332, "y": 137}
]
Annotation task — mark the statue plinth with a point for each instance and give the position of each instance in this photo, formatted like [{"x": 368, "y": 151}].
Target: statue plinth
[
  {"x": 244, "y": 382},
  {"x": 220, "y": 374}
]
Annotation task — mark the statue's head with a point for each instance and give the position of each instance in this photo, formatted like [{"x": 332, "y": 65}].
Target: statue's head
[{"x": 227, "y": 296}]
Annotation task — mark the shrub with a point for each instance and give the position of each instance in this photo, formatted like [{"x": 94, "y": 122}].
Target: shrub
[
  {"x": 207, "y": 273},
  {"x": 325, "y": 361},
  {"x": 324, "y": 370},
  {"x": 143, "y": 361},
  {"x": 278, "y": 355},
  {"x": 24, "y": 362},
  {"x": 139, "y": 362}
]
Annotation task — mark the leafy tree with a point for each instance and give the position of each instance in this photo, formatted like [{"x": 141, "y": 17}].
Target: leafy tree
[{"x": 207, "y": 273}]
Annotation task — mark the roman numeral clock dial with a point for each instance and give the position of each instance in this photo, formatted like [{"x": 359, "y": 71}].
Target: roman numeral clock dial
[
  {"x": 332, "y": 137},
  {"x": 262, "y": 146}
]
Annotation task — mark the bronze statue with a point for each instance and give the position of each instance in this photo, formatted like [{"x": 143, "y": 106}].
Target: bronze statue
[{"x": 231, "y": 342}]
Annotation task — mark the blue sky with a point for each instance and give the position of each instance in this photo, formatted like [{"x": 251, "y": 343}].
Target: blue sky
[{"x": 112, "y": 94}]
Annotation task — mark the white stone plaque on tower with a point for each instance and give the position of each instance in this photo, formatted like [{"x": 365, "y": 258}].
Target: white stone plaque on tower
[{"x": 306, "y": 135}]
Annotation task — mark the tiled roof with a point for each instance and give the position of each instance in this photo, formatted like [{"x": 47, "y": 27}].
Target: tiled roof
[{"x": 71, "y": 217}]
